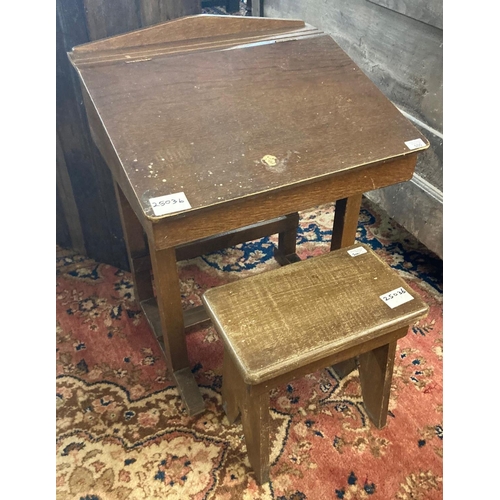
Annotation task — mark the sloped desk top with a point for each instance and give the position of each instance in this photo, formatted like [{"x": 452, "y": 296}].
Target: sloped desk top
[{"x": 223, "y": 108}]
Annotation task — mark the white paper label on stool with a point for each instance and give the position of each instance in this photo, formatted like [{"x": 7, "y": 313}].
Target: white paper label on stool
[
  {"x": 416, "y": 143},
  {"x": 396, "y": 297},
  {"x": 169, "y": 203},
  {"x": 356, "y": 251}
]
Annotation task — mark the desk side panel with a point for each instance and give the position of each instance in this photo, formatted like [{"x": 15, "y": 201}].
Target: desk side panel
[{"x": 103, "y": 143}]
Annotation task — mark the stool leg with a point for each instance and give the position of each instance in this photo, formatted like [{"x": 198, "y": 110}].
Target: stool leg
[
  {"x": 231, "y": 386},
  {"x": 375, "y": 373},
  {"x": 345, "y": 367},
  {"x": 285, "y": 252},
  {"x": 255, "y": 420},
  {"x": 168, "y": 295}
]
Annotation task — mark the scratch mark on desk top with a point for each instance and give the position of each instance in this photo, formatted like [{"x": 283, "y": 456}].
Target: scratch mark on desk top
[{"x": 139, "y": 60}]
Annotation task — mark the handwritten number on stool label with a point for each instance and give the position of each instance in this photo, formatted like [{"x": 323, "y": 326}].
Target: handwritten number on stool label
[
  {"x": 169, "y": 203},
  {"x": 396, "y": 297}
]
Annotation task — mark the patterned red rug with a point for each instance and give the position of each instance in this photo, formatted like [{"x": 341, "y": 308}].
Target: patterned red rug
[{"x": 122, "y": 432}]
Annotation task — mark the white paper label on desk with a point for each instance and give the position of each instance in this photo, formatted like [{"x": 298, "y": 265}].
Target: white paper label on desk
[
  {"x": 416, "y": 143},
  {"x": 356, "y": 251},
  {"x": 169, "y": 203},
  {"x": 396, "y": 297}
]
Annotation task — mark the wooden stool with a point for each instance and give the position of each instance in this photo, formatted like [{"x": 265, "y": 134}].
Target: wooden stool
[{"x": 285, "y": 323}]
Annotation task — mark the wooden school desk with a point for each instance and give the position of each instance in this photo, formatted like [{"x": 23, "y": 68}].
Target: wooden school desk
[{"x": 214, "y": 123}]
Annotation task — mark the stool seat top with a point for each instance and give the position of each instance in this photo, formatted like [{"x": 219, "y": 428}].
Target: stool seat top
[{"x": 292, "y": 316}]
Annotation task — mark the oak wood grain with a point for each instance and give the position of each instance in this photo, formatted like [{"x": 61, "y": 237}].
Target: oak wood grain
[
  {"x": 375, "y": 374},
  {"x": 284, "y": 114},
  {"x": 168, "y": 297},
  {"x": 144, "y": 53},
  {"x": 339, "y": 357},
  {"x": 264, "y": 206},
  {"x": 232, "y": 389},
  {"x": 378, "y": 361},
  {"x": 105, "y": 146},
  {"x": 289, "y": 317},
  {"x": 251, "y": 119},
  {"x": 346, "y": 221},
  {"x": 289, "y": 322},
  {"x": 255, "y": 420},
  {"x": 137, "y": 250},
  {"x": 201, "y": 26}
]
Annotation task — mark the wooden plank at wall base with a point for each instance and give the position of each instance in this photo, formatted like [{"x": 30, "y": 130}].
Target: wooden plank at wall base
[
  {"x": 430, "y": 162},
  {"x": 68, "y": 211},
  {"x": 63, "y": 238},
  {"x": 429, "y": 12},
  {"x": 402, "y": 56},
  {"x": 90, "y": 178},
  {"x": 256, "y": 7},
  {"x": 91, "y": 185},
  {"x": 156, "y": 11},
  {"x": 417, "y": 209},
  {"x": 110, "y": 17}
]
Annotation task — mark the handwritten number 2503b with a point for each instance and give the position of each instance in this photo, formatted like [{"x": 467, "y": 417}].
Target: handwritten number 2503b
[{"x": 162, "y": 203}]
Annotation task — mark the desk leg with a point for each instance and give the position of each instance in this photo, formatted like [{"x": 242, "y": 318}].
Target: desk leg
[
  {"x": 345, "y": 225},
  {"x": 287, "y": 240},
  {"x": 137, "y": 250},
  {"x": 168, "y": 295},
  {"x": 345, "y": 222},
  {"x": 285, "y": 252}
]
